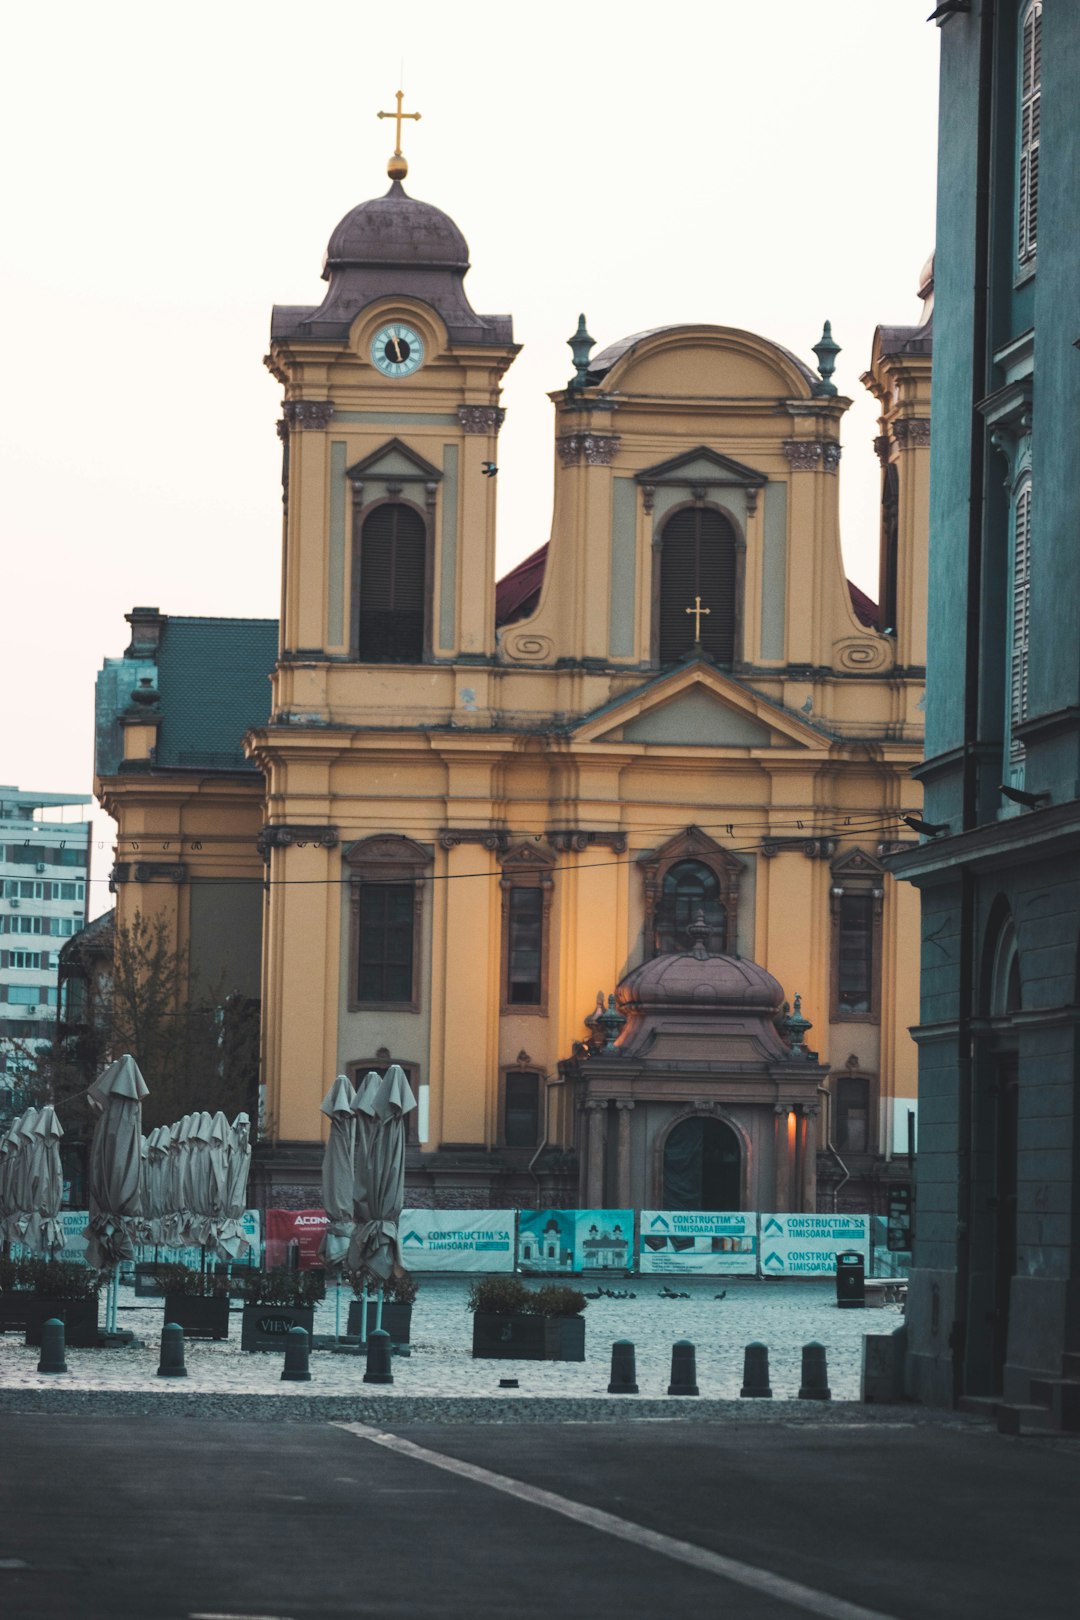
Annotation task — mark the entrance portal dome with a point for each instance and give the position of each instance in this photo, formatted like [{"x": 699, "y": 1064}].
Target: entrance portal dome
[
  {"x": 700, "y": 980},
  {"x": 693, "y": 980},
  {"x": 398, "y": 230}
]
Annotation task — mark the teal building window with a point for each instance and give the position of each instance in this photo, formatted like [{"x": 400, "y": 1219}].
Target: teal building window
[{"x": 1028, "y": 132}]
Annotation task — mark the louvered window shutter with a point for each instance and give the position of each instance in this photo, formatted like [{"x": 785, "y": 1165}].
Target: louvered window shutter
[
  {"x": 1021, "y": 620},
  {"x": 393, "y": 550},
  {"x": 697, "y": 559},
  {"x": 1030, "y": 97}
]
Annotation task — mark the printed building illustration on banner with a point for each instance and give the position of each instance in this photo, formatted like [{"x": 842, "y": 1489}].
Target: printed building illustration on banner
[
  {"x": 807, "y": 1245},
  {"x": 698, "y": 1242},
  {"x": 605, "y": 1239},
  {"x": 551, "y": 1241},
  {"x": 546, "y": 1239}
]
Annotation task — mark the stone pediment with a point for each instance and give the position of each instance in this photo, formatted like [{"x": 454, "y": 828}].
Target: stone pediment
[
  {"x": 698, "y": 707},
  {"x": 395, "y": 460},
  {"x": 705, "y": 467}
]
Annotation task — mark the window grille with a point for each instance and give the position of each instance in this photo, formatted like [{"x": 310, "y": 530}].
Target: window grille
[
  {"x": 697, "y": 560},
  {"x": 392, "y": 566}
]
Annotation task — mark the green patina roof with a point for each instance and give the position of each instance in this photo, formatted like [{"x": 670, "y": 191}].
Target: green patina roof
[{"x": 214, "y": 680}]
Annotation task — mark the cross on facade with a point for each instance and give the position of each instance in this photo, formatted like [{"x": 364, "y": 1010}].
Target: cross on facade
[
  {"x": 397, "y": 117},
  {"x": 699, "y": 613}
]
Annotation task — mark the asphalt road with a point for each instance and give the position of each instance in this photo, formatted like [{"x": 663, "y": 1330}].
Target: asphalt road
[{"x": 147, "y": 1517}]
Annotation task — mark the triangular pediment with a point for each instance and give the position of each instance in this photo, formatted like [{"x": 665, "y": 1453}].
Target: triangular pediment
[
  {"x": 395, "y": 460},
  {"x": 698, "y": 707},
  {"x": 703, "y": 466}
]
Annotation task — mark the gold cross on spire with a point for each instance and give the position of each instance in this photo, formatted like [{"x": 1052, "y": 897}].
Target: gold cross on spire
[
  {"x": 699, "y": 613},
  {"x": 398, "y": 168}
]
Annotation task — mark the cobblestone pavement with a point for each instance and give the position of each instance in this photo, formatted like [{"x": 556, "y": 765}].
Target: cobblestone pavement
[{"x": 784, "y": 1315}]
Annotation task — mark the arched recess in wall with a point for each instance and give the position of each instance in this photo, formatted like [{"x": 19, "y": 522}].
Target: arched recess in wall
[
  {"x": 701, "y": 1161},
  {"x": 1000, "y": 986}
]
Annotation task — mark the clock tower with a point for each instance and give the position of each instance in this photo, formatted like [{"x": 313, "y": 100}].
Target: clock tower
[{"x": 391, "y": 409}]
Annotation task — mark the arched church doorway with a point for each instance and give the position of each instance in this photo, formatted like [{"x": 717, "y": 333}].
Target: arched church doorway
[{"x": 702, "y": 1166}]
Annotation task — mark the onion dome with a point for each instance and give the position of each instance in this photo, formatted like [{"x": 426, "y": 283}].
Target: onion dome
[
  {"x": 396, "y": 230},
  {"x": 696, "y": 980}
]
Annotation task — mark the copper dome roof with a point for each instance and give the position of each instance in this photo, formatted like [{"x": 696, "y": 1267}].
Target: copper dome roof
[
  {"x": 702, "y": 982},
  {"x": 396, "y": 229}
]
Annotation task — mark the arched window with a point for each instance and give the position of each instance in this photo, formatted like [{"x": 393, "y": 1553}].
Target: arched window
[
  {"x": 391, "y": 570},
  {"x": 690, "y": 888},
  {"x": 1028, "y": 132},
  {"x": 697, "y": 571}
]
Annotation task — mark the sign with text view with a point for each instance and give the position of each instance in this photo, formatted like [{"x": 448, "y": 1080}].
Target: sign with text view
[
  {"x": 807, "y": 1245},
  {"x": 457, "y": 1239},
  {"x": 698, "y": 1242}
]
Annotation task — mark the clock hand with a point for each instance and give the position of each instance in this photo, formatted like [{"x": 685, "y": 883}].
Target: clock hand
[{"x": 396, "y": 347}]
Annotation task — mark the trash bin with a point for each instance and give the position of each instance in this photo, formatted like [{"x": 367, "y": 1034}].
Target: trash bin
[{"x": 850, "y": 1280}]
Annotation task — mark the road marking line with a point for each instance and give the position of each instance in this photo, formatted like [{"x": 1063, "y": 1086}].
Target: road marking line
[{"x": 730, "y": 1569}]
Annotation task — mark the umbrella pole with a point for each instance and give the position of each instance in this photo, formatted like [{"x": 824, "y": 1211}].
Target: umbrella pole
[
  {"x": 337, "y": 1308},
  {"x": 363, "y": 1312},
  {"x": 378, "y": 1310}
]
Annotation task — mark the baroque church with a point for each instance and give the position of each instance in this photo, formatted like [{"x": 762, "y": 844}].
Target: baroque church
[{"x": 596, "y": 852}]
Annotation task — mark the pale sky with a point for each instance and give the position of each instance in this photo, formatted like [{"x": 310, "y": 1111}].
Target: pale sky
[{"x": 172, "y": 172}]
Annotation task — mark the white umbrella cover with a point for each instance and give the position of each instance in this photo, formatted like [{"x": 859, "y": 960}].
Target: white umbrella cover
[{"x": 337, "y": 1171}]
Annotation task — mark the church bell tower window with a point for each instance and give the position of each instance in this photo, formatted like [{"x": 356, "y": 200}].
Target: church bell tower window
[
  {"x": 391, "y": 585},
  {"x": 689, "y": 889},
  {"x": 697, "y": 586}
]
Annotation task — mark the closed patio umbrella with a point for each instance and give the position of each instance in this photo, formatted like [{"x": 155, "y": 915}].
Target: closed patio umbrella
[
  {"x": 115, "y": 1154},
  {"x": 233, "y": 1241},
  {"x": 20, "y": 1197},
  {"x": 382, "y": 1104},
  {"x": 337, "y": 1171},
  {"x": 215, "y": 1179},
  {"x": 46, "y": 1183}
]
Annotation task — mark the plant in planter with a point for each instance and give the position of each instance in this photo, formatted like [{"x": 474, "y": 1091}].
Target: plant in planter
[
  {"x": 274, "y": 1302},
  {"x": 515, "y": 1323},
  {"x": 45, "y": 1289},
  {"x": 197, "y": 1301},
  {"x": 399, "y": 1294}
]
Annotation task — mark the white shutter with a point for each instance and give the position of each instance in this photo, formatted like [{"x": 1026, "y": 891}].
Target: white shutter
[
  {"x": 1028, "y": 183},
  {"x": 1021, "y": 619}
]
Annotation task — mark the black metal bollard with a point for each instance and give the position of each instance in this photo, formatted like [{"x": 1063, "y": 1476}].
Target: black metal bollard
[
  {"x": 815, "y": 1374},
  {"x": 683, "y": 1369},
  {"x": 378, "y": 1358},
  {"x": 295, "y": 1370},
  {"x": 52, "y": 1347},
  {"x": 756, "y": 1372},
  {"x": 171, "y": 1363},
  {"x": 623, "y": 1368}
]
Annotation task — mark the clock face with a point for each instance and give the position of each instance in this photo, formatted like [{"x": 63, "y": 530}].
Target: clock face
[{"x": 397, "y": 350}]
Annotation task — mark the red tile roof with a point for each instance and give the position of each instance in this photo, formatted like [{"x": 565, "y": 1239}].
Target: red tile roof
[{"x": 518, "y": 592}]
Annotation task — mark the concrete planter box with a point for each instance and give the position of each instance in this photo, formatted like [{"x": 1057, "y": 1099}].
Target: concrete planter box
[
  {"x": 528, "y": 1338},
  {"x": 199, "y": 1318},
  {"x": 79, "y": 1316},
  {"x": 265, "y": 1326},
  {"x": 396, "y": 1320}
]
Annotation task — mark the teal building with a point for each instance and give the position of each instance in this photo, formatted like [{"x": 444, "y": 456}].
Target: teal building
[{"x": 994, "y": 1306}]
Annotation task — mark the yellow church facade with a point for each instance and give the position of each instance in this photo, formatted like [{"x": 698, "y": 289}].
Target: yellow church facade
[{"x": 662, "y": 762}]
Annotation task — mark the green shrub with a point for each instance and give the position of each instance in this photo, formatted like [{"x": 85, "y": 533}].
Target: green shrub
[
  {"x": 499, "y": 1296},
  {"x": 396, "y": 1290},
  {"x": 508, "y": 1296},
  {"x": 556, "y": 1299},
  {"x": 296, "y": 1288},
  {"x": 57, "y": 1279},
  {"x": 191, "y": 1284}
]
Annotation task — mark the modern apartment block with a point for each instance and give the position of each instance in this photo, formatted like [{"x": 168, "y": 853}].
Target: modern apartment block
[{"x": 44, "y": 888}]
